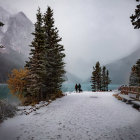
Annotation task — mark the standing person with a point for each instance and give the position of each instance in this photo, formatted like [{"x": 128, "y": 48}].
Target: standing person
[
  {"x": 79, "y": 88},
  {"x": 76, "y": 87}
]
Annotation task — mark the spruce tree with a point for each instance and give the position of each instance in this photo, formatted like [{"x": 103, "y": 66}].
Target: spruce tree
[
  {"x": 107, "y": 81},
  {"x": 93, "y": 80},
  {"x": 37, "y": 62},
  {"x": 134, "y": 79},
  {"x": 138, "y": 69},
  {"x": 98, "y": 75},
  {"x": 103, "y": 78},
  {"x": 54, "y": 56},
  {"x": 96, "y": 78},
  {"x": 135, "y": 19}
]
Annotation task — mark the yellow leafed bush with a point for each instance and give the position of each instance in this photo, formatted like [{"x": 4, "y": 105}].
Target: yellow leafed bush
[{"x": 17, "y": 82}]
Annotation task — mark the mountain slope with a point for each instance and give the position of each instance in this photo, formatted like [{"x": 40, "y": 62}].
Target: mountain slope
[
  {"x": 8, "y": 62},
  {"x": 120, "y": 69},
  {"x": 16, "y": 36},
  {"x": 4, "y": 17},
  {"x": 70, "y": 78}
]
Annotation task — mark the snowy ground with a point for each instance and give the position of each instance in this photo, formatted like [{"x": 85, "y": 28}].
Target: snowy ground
[{"x": 81, "y": 116}]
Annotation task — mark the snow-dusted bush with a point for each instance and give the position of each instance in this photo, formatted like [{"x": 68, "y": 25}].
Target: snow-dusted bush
[{"x": 6, "y": 110}]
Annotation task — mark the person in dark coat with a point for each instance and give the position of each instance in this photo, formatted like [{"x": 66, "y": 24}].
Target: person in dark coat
[
  {"x": 79, "y": 88},
  {"x": 76, "y": 87}
]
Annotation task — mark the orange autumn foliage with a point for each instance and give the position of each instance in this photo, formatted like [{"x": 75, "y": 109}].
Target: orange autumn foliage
[{"x": 17, "y": 82}]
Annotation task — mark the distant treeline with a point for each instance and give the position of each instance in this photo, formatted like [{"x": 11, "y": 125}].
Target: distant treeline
[{"x": 100, "y": 78}]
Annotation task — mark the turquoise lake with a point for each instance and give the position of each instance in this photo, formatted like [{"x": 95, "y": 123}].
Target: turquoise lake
[
  {"x": 5, "y": 94},
  {"x": 85, "y": 87}
]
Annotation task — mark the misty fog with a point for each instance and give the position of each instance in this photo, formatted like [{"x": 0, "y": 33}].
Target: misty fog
[{"x": 92, "y": 30}]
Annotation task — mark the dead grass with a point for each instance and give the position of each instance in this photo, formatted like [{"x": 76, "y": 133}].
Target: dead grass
[{"x": 117, "y": 96}]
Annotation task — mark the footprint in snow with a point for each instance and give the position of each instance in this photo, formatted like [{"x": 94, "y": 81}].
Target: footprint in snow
[
  {"x": 93, "y": 96},
  {"x": 18, "y": 137}
]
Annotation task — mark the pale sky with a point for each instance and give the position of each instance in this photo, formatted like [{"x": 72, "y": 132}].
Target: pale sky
[{"x": 92, "y": 30}]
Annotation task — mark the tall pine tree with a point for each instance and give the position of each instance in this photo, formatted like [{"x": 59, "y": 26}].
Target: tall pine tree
[
  {"x": 54, "y": 56},
  {"x": 138, "y": 70},
  {"x": 93, "y": 80},
  {"x": 103, "y": 78},
  {"x": 107, "y": 80},
  {"x": 37, "y": 62},
  {"x": 134, "y": 79},
  {"x": 96, "y": 78},
  {"x": 135, "y": 19}
]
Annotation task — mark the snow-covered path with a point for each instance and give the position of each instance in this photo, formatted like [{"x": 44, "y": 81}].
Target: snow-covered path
[{"x": 84, "y": 116}]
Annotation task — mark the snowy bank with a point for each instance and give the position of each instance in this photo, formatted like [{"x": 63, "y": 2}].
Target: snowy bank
[
  {"x": 79, "y": 116},
  {"x": 6, "y": 110}
]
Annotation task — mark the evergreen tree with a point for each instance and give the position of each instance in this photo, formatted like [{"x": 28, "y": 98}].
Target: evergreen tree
[
  {"x": 135, "y": 19},
  {"x": 107, "y": 81},
  {"x": 37, "y": 62},
  {"x": 54, "y": 56},
  {"x": 134, "y": 79},
  {"x": 138, "y": 70},
  {"x": 98, "y": 75},
  {"x": 96, "y": 78},
  {"x": 103, "y": 78},
  {"x": 93, "y": 80}
]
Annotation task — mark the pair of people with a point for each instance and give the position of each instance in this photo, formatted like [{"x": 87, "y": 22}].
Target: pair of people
[{"x": 78, "y": 88}]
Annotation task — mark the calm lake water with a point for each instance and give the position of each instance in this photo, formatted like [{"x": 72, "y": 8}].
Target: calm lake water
[
  {"x": 5, "y": 94},
  {"x": 85, "y": 87}
]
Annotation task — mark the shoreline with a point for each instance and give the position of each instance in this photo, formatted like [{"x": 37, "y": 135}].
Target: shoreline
[{"x": 3, "y": 84}]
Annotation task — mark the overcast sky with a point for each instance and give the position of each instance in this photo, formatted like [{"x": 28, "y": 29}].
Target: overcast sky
[{"x": 92, "y": 30}]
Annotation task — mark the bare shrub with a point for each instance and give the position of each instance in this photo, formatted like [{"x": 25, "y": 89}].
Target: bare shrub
[{"x": 6, "y": 110}]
